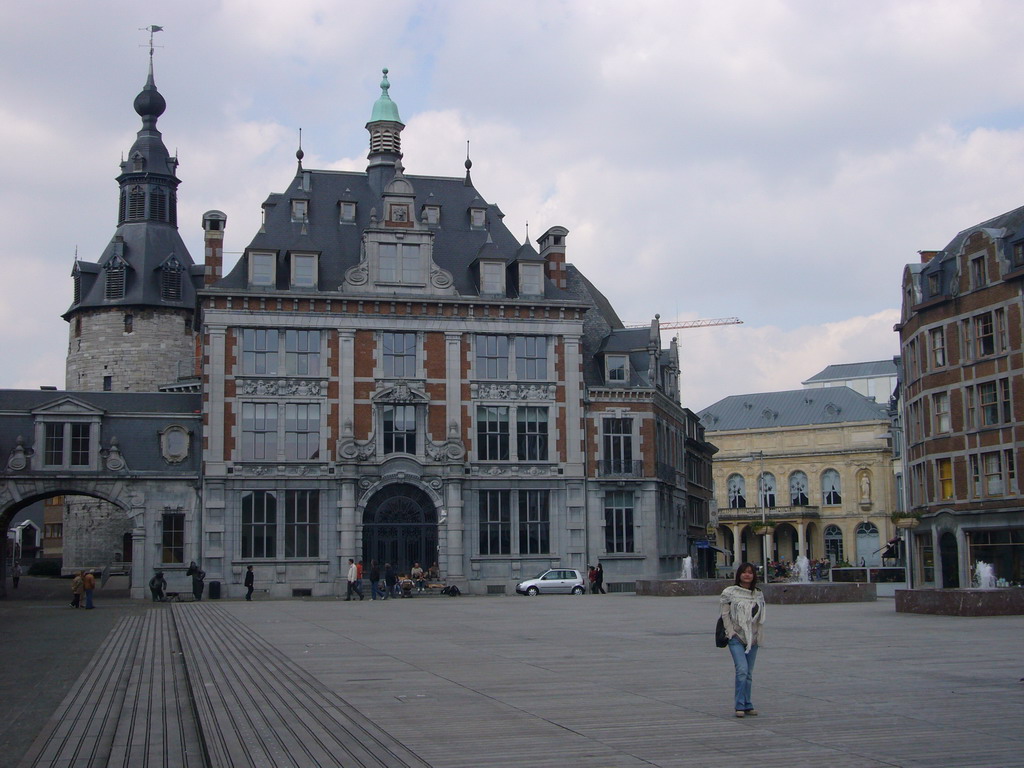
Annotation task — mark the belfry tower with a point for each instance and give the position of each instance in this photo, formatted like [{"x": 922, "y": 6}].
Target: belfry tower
[{"x": 132, "y": 315}]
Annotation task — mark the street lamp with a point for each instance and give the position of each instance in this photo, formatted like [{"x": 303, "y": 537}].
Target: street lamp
[{"x": 760, "y": 504}]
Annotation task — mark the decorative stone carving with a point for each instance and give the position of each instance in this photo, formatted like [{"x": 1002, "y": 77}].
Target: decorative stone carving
[
  {"x": 350, "y": 449},
  {"x": 284, "y": 470},
  {"x": 19, "y": 457},
  {"x": 281, "y": 387},
  {"x": 112, "y": 457},
  {"x": 400, "y": 391},
  {"x": 512, "y": 391},
  {"x": 440, "y": 278},
  {"x": 359, "y": 274},
  {"x": 174, "y": 444}
]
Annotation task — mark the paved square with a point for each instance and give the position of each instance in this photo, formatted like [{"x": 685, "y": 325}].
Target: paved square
[{"x": 619, "y": 680}]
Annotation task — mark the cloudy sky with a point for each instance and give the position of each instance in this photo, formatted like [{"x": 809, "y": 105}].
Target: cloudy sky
[{"x": 779, "y": 161}]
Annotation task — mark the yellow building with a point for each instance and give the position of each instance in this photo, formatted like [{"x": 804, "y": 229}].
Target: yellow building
[{"x": 801, "y": 472}]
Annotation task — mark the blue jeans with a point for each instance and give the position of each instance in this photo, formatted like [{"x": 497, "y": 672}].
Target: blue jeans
[
  {"x": 375, "y": 589},
  {"x": 744, "y": 671}
]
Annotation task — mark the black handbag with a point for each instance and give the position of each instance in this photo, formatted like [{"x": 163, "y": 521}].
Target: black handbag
[{"x": 721, "y": 639}]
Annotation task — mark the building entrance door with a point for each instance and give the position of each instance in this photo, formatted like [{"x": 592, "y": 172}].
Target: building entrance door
[
  {"x": 949, "y": 555},
  {"x": 400, "y": 527}
]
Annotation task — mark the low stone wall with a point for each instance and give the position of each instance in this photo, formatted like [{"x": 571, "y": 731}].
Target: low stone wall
[
  {"x": 1007, "y": 601},
  {"x": 778, "y": 593}
]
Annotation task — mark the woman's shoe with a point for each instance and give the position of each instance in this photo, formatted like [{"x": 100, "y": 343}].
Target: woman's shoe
[{"x": 740, "y": 713}]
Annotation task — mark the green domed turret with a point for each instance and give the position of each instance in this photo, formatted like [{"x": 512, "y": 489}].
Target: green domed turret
[{"x": 385, "y": 108}]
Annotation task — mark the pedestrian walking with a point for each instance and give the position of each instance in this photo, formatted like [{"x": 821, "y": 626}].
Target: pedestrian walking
[
  {"x": 374, "y": 580},
  {"x": 198, "y": 575},
  {"x": 390, "y": 581},
  {"x": 16, "y": 573},
  {"x": 250, "y": 582},
  {"x": 743, "y": 617},
  {"x": 353, "y": 581},
  {"x": 599, "y": 580},
  {"x": 77, "y": 588},
  {"x": 88, "y": 584},
  {"x": 157, "y": 585}
]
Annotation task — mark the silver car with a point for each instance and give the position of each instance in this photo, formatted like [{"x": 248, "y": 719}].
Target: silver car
[{"x": 553, "y": 581}]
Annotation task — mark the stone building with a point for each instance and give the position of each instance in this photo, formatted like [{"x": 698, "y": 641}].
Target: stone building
[
  {"x": 390, "y": 375},
  {"x": 962, "y": 409},
  {"x": 814, "y": 464}
]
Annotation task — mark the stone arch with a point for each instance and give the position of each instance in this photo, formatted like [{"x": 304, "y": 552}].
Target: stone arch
[{"x": 400, "y": 525}]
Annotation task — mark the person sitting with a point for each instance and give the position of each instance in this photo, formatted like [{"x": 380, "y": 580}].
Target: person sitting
[
  {"x": 434, "y": 573},
  {"x": 416, "y": 574},
  {"x": 406, "y": 585}
]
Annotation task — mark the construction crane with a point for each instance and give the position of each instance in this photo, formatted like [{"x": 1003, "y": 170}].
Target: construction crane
[{"x": 706, "y": 322}]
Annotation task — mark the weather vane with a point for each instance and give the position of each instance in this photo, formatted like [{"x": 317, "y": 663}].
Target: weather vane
[{"x": 152, "y": 29}]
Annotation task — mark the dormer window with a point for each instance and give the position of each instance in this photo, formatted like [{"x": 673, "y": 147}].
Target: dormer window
[
  {"x": 616, "y": 368},
  {"x": 115, "y": 269},
  {"x": 1017, "y": 256},
  {"x": 477, "y": 218},
  {"x": 492, "y": 277},
  {"x": 400, "y": 263},
  {"x": 531, "y": 279},
  {"x": 347, "y": 212},
  {"x": 262, "y": 269},
  {"x": 170, "y": 280},
  {"x": 432, "y": 215},
  {"x": 303, "y": 270},
  {"x": 138, "y": 162},
  {"x": 300, "y": 210}
]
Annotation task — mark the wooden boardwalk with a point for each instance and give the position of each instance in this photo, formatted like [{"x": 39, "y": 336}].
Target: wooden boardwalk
[{"x": 553, "y": 682}]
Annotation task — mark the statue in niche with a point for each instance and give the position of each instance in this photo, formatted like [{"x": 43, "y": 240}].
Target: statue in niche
[{"x": 865, "y": 487}]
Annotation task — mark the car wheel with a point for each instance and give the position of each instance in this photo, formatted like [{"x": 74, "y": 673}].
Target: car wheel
[
  {"x": 577, "y": 590},
  {"x": 533, "y": 592}
]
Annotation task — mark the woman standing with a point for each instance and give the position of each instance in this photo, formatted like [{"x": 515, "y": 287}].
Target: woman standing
[{"x": 743, "y": 616}]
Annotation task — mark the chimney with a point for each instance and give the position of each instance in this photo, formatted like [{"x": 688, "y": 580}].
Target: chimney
[
  {"x": 927, "y": 256},
  {"x": 552, "y": 248},
  {"x": 213, "y": 226}
]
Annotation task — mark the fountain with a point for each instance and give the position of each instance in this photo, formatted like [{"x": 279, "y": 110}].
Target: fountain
[
  {"x": 985, "y": 575},
  {"x": 687, "y": 568},
  {"x": 803, "y": 570}
]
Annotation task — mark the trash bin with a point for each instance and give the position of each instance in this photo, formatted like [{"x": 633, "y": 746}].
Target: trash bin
[{"x": 215, "y": 590}]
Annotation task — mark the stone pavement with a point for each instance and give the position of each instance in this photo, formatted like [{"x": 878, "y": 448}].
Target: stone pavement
[{"x": 561, "y": 681}]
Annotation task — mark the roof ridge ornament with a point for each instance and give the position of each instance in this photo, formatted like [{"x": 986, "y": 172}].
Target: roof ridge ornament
[{"x": 469, "y": 164}]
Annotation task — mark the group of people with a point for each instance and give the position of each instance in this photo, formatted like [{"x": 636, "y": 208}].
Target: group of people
[
  {"x": 158, "y": 584},
  {"x": 387, "y": 582},
  {"x": 595, "y": 573},
  {"x": 83, "y": 584}
]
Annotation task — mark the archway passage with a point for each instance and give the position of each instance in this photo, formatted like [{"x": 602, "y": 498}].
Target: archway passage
[{"x": 400, "y": 527}]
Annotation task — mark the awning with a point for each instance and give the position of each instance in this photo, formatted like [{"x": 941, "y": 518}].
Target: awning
[{"x": 709, "y": 545}]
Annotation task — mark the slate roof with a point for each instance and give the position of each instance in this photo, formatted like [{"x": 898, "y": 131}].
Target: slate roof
[
  {"x": 456, "y": 244},
  {"x": 791, "y": 408},
  {"x": 845, "y": 371},
  {"x": 1007, "y": 227}
]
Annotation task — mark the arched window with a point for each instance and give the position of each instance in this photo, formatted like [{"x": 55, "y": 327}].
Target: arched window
[
  {"x": 766, "y": 485},
  {"x": 831, "y": 489},
  {"x": 798, "y": 489},
  {"x": 737, "y": 492},
  {"x": 867, "y": 545},
  {"x": 833, "y": 543}
]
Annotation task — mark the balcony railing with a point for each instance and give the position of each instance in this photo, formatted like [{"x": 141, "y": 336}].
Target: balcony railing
[
  {"x": 752, "y": 514},
  {"x": 619, "y": 468}
]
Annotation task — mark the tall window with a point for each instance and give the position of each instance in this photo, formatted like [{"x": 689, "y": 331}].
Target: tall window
[
  {"x": 495, "y": 523},
  {"x": 170, "y": 281},
  {"x": 532, "y": 434},
  {"x": 616, "y": 369},
  {"x": 532, "y": 357},
  {"x": 534, "y": 523},
  {"x": 944, "y": 470},
  {"x": 79, "y": 445},
  {"x": 259, "y": 524},
  {"x": 301, "y": 431},
  {"x": 492, "y": 433},
  {"x": 979, "y": 274},
  {"x": 399, "y": 263},
  {"x": 399, "y": 356},
  {"x": 737, "y": 488},
  {"x": 492, "y": 357},
  {"x": 399, "y": 428},
  {"x": 136, "y": 203},
  {"x": 301, "y": 352},
  {"x": 492, "y": 277},
  {"x": 263, "y": 269},
  {"x": 618, "y": 445},
  {"x": 833, "y": 543},
  {"x": 994, "y": 403},
  {"x": 115, "y": 284},
  {"x": 302, "y": 524},
  {"x": 158, "y": 204},
  {"x": 54, "y": 444},
  {"x": 259, "y": 431},
  {"x": 831, "y": 494},
  {"x": 259, "y": 351},
  {"x": 798, "y": 489},
  {"x": 618, "y": 521},
  {"x": 531, "y": 279},
  {"x": 984, "y": 334},
  {"x": 940, "y": 404},
  {"x": 303, "y": 270},
  {"x": 937, "y": 338},
  {"x": 766, "y": 485},
  {"x": 172, "y": 538}
]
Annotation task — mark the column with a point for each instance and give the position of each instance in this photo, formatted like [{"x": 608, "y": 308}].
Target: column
[
  {"x": 346, "y": 526},
  {"x": 346, "y": 377},
  {"x": 456, "y": 548},
  {"x": 801, "y": 539},
  {"x": 453, "y": 380},
  {"x": 737, "y": 542}
]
